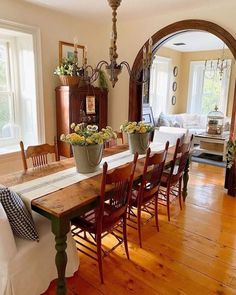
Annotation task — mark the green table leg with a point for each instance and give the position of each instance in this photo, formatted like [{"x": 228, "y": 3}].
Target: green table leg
[
  {"x": 185, "y": 180},
  {"x": 60, "y": 228}
]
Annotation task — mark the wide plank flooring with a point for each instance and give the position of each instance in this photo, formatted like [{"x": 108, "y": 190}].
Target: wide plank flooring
[{"x": 194, "y": 253}]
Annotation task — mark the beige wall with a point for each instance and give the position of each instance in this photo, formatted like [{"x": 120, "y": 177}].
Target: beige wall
[{"x": 187, "y": 57}]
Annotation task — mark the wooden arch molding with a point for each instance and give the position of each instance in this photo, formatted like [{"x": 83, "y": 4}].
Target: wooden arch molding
[{"x": 165, "y": 34}]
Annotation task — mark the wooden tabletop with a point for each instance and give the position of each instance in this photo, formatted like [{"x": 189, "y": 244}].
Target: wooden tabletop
[{"x": 70, "y": 199}]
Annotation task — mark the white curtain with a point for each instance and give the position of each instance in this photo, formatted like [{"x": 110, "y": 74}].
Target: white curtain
[{"x": 159, "y": 85}]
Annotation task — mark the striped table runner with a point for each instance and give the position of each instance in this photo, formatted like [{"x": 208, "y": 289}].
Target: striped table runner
[{"x": 39, "y": 187}]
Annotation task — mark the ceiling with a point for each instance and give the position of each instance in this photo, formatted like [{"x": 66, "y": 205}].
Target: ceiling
[
  {"x": 195, "y": 41},
  {"x": 99, "y": 10}
]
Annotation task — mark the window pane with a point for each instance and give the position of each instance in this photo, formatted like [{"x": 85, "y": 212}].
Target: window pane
[
  {"x": 3, "y": 68},
  {"x": 4, "y": 115},
  {"x": 208, "y": 87}
]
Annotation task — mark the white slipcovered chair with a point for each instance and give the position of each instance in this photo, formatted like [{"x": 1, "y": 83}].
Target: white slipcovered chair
[
  {"x": 171, "y": 134},
  {"x": 28, "y": 267}
]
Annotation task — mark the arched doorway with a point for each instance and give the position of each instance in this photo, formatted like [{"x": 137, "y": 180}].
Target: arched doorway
[{"x": 159, "y": 38}]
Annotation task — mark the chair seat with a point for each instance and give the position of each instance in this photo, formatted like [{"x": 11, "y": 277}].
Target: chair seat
[
  {"x": 164, "y": 179},
  {"x": 88, "y": 220},
  {"x": 148, "y": 195}
]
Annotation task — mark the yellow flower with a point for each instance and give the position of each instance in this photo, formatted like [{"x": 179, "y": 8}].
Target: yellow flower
[
  {"x": 143, "y": 129},
  {"x": 89, "y": 140},
  {"x": 134, "y": 127},
  {"x": 87, "y": 134}
]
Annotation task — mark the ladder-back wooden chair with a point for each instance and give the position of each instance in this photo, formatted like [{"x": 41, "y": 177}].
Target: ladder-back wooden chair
[
  {"x": 145, "y": 194},
  {"x": 89, "y": 229},
  {"x": 38, "y": 154},
  {"x": 171, "y": 180}
]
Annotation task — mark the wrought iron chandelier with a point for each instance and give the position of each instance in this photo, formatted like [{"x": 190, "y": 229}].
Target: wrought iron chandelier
[
  {"x": 113, "y": 69},
  {"x": 218, "y": 66}
]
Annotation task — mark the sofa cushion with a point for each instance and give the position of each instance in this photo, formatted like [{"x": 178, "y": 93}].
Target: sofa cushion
[
  {"x": 163, "y": 120},
  {"x": 19, "y": 217},
  {"x": 191, "y": 121},
  {"x": 174, "y": 120}
]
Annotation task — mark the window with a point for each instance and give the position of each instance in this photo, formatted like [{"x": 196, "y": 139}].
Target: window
[
  {"x": 159, "y": 85},
  {"x": 6, "y": 92},
  {"x": 19, "y": 92},
  {"x": 207, "y": 88}
]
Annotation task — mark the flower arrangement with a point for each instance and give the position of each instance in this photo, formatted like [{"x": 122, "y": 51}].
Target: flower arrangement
[
  {"x": 136, "y": 127},
  {"x": 68, "y": 67},
  {"x": 88, "y": 135},
  {"x": 231, "y": 153}
]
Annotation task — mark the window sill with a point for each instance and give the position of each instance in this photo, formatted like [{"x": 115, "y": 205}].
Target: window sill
[{"x": 4, "y": 151}]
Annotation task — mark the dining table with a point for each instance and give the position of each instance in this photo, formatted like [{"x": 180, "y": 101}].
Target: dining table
[{"x": 63, "y": 204}]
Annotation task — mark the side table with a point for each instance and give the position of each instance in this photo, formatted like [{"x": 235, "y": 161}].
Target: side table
[{"x": 210, "y": 143}]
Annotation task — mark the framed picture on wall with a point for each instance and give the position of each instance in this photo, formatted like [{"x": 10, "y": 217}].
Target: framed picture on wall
[
  {"x": 90, "y": 105},
  {"x": 147, "y": 115},
  {"x": 66, "y": 50}
]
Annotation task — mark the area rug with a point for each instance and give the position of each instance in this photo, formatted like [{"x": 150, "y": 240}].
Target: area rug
[{"x": 210, "y": 159}]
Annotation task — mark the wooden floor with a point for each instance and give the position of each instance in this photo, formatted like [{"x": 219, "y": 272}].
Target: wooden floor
[{"x": 194, "y": 253}]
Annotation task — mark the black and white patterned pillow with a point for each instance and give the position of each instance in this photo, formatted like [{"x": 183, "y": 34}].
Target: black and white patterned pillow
[{"x": 19, "y": 217}]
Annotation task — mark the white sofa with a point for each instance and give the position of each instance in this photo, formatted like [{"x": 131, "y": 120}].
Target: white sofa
[
  {"x": 194, "y": 123},
  {"x": 28, "y": 267}
]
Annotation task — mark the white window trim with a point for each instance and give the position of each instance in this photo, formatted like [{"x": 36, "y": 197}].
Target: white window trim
[
  {"x": 35, "y": 32},
  {"x": 225, "y": 90}
]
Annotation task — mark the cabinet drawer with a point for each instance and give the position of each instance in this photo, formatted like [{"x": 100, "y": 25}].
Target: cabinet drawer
[{"x": 211, "y": 146}]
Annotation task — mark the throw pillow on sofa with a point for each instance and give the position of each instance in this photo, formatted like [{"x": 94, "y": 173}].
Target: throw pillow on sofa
[
  {"x": 163, "y": 120},
  {"x": 173, "y": 120},
  {"x": 19, "y": 217}
]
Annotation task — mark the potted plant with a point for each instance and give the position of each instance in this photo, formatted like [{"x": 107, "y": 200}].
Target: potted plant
[
  {"x": 230, "y": 178},
  {"x": 87, "y": 145},
  {"x": 69, "y": 71},
  {"x": 102, "y": 80},
  {"x": 138, "y": 135}
]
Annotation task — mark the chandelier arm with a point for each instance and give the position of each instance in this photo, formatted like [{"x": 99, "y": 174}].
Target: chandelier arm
[
  {"x": 100, "y": 64},
  {"x": 94, "y": 71},
  {"x": 126, "y": 64}
]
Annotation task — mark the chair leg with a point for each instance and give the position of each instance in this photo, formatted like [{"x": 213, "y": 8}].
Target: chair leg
[
  {"x": 125, "y": 235},
  {"x": 99, "y": 255},
  {"x": 156, "y": 212},
  {"x": 139, "y": 226},
  {"x": 179, "y": 193},
  {"x": 129, "y": 210},
  {"x": 168, "y": 203}
]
